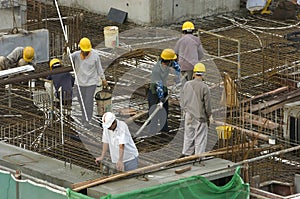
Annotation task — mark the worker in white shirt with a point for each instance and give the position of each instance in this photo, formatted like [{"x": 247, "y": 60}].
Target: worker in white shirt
[{"x": 117, "y": 138}]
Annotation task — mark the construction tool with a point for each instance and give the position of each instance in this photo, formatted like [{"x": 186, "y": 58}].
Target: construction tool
[{"x": 159, "y": 106}]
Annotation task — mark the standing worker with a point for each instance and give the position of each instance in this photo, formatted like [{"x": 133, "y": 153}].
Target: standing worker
[
  {"x": 189, "y": 50},
  {"x": 158, "y": 90},
  {"x": 88, "y": 70},
  {"x": 117, "y": 138},
  {"x": 65, "y": 81},
  {"x": 195, "y": 102},
  {"x": 20, "y": 56}
]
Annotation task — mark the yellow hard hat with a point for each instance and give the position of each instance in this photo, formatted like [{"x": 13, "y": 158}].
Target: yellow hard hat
[
  {"x": 28, "y": 53},
  {"x": 188, "y": 26},
  {"x": 54, "y": 62},
  {"x": 85, "y": 44},
  {"x": 168, "y": 54},
  {"x": 199, "y": 69}
]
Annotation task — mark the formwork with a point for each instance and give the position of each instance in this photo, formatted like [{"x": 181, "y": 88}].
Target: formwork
[{"x": 252, "y": 70}]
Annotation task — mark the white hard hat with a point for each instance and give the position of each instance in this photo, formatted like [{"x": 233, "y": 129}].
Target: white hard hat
[
  {"x": 107, "y": 119},
  {"x": 298, "y": 2}
]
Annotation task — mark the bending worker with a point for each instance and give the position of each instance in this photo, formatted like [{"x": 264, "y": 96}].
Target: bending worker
[
  {"x": 20, "y": 56},
  {"x": 189, "y": 50},
  {"x": 195, "y": 102},
  {"x": 158, "y": 90},
  {"x": 117, "y": 138},
  {"x": 89, "y": 71},
  {"x": 65, "y": 81}
]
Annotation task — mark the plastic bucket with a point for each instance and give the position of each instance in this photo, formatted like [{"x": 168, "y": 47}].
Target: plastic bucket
[
  {"x": 111, "y": 36},
  {"x": 103, "y": 100},
  {"x": 255, "y": 5},
  {"x": 224, "y": 132}
]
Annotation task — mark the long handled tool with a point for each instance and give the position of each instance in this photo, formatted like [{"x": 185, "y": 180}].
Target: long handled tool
[{"x": 159, "y": 106}]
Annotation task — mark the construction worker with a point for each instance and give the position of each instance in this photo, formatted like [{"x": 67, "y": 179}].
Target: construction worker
[
  {"x": 89, "y": 71},
  {"x": 195, "y": 102},
  {"x": 117, "y": 138},
  {"x": 158, "y": 90},
  {"x": 189, "y": 50},
  {"x": 20, "y": 56},
  {"x": 63, "y": 81}
]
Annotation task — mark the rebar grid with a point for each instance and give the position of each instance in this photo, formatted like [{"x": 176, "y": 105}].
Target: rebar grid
[{"x": 268, "y": 62}]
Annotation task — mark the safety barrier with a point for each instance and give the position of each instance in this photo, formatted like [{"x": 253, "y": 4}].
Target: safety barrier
[{"x": 11, "y": 188}]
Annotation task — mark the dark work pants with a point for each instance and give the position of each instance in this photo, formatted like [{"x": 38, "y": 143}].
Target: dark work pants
[
  {"x": 160, "y": 120},
  {"x": 87, "y": 93}
]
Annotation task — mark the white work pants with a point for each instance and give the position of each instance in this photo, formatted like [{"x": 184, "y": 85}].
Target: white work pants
[{"x": 195, "y": 136}]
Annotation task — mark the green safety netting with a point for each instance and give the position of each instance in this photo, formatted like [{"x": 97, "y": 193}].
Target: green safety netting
[
  {"x": 192, "y": 187},
  {"x": 74, "y": 195},
  {"x": 24, "y": 189}
]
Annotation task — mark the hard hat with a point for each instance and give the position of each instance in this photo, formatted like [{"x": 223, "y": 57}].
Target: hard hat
[
  {"x": 85, "y": 44},
  {"x": 107, "y": 119},
  {"x": 54, "y": 63},
  {"x": 298, "y": 2},
  {"x": 199, "y": 69},
  {"x": 28, "y": 53},
  {"x": 188, "y": 26},
  {"x": 168, "y": 54}
]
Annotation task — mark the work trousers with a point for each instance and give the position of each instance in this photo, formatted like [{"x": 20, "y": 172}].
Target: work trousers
[
  {"x": 195, "y": 135},
  {"x": 87, "y": 93},
  {"x": 160, "y": 121},
  {"x": 3, "y": 63},
  {"x": 131, "y": 164}
]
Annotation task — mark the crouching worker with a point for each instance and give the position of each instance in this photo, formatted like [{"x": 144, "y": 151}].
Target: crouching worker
[
  {"x": 20, "y": 56},
  {"x": 63, "y": 81},
  {"x": 117, "y": 138}
]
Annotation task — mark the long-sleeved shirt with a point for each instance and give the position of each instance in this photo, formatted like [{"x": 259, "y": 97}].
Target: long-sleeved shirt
[
  {"x": 195, "y": 99},
  {"x": 189, "y": 50},
  {"x": 159, "y": 73},
  {"x": 88, "y": 70}
]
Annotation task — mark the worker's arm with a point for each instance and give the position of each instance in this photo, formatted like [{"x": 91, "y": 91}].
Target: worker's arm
[
  {"x": 104, "y": 150},
  {"x": 120, "y": 164}
]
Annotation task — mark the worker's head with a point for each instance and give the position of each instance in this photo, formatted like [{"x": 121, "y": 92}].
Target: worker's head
[
  {"x": 85, "y": 46},
  {"x": 54, "y": 63},
  {"x": 108, "y": 119},
  {"x": 28, "y": 53},
  {"x": 188, "y": 27},
  {"x": 199, "y": 69},
  {"x": 168, "y": 56}
]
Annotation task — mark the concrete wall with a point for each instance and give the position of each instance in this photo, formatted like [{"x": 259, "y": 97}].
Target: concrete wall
[
  {"x": 9, "y": 11},
  {"x": 38, "y": 39},
  {"x": 158, "y": 11}
]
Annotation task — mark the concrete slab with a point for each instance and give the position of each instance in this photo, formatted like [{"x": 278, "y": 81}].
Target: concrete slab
[
  {"x": 208, "y": 168},
  {"x": 43, "y": 167}
]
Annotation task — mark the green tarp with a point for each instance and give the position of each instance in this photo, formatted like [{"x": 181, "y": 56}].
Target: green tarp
[
  {"x": 25, "y": 189},
  {"x": 192, "y": 187}
]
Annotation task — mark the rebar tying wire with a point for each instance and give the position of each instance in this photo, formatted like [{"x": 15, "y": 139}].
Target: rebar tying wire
[{"x": 69, "y": 53}]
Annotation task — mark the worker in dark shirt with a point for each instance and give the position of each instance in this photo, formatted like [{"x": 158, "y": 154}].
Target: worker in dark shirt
[{"x": 65, "y": 81}]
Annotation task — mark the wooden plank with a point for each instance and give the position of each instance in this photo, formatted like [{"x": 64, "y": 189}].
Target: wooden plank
[
  {"x": 276, "y": 100},
  {"x": 136, "y": 116},
  {"x": 89, "y": 183},
  {"x": 267, "y": 94},
  {"x": 260, "y": 121},
  {"x": 180, "y": 171}
]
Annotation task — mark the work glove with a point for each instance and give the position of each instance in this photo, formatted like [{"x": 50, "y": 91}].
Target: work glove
[{"x": 159, "y": 90}]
